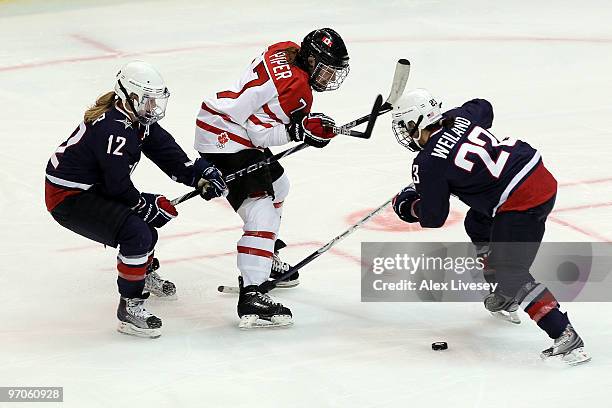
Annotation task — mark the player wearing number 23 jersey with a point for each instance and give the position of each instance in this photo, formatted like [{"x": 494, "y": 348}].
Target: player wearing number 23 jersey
[
  {"x": 487, "y": 174},
  {"x": 510, "y": 194}
]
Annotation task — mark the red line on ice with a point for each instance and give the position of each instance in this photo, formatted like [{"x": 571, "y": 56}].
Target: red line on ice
[
  {"x": 581, "y": 182},
  {"x": 584, "y": 231},
  {"x": 337, "y": 252},
  {"x": 122, "y": 55},
  {"x": 583, "y": 207},
  {"x": 95, "y": 44},
  {"x": 163, "y": 237},
  {"x": 115, "y": 53}
]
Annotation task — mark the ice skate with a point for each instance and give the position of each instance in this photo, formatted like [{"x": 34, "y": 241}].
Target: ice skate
[
  {"x": 279, "y": 267},
  {"x": 257, "y": 309},
  {"x": 135, "y": 320},
  {"x": 156, "y": 285},
  {"x": 502, "y": 307},
  {"x": 569, "y": 347},
  {"x": 508, "y": 315}
]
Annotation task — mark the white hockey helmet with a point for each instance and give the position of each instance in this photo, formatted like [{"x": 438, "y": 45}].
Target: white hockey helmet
[
  {"x": 143, "y": 89},
  {"x": 414, "y": 110}
]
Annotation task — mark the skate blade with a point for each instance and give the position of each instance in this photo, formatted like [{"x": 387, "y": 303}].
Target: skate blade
[
  {"x": 164, "y": 298},
  {"x": 576, "y": 356},
  {"x": 236, "y": 290},
  {"x": 573, "y": 358},
  {"x": 253, "y": 321},
  {"x": 511, "y": 317},
  {"x": 129, "y": 328},
  {"x": 161, "y": 295},
  {"x": 229, "y": 289},
  {"x": 288, "y": 284}
]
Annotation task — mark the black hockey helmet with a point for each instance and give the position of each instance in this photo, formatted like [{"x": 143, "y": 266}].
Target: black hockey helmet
[{"x": 330, "y": 61}]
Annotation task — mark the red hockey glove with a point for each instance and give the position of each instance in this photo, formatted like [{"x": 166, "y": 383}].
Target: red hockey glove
[{"x": 314, "y": 129}]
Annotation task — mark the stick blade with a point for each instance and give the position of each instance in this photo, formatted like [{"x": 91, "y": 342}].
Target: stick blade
[
  {"x": 378, "y": 103},
  {"x": 400, "y": 78}
]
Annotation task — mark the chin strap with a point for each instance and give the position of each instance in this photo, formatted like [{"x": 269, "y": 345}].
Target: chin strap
[
  {"x": 411, "y": 141},
  {"x": 128, "y": 99},
  {"x": 416, "y": 126}
]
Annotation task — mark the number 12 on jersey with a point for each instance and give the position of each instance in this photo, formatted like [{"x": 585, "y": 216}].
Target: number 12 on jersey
[{"x": 118, "y": 141}]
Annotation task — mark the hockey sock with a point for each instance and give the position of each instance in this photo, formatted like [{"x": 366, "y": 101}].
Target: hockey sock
[
  {"x": 553, "y": 323},
  {"x": 130, "y": 289},
  {"x": 132, "y": 271},
  {"x": 542, "y": 306}
]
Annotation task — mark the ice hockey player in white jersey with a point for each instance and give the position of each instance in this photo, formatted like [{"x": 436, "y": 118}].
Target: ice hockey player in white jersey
[{"x": 269, "y": 106}]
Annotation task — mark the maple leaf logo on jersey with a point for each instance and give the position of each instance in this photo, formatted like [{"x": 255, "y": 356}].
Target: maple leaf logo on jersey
[
  {"x": 327, "y": 41},
  {"x": 222, "y": 139},
  {"x": 126, "y": 122}
]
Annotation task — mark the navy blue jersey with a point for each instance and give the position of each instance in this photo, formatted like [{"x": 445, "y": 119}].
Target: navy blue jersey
[
  {"x": 105, "y": 152},
  {"x": 467, "y": 161}
]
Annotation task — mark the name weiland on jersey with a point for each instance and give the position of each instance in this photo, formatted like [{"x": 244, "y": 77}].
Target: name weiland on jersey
[
  {"x": 448, "y": 140},
  {"x": 280, "y": 67}
]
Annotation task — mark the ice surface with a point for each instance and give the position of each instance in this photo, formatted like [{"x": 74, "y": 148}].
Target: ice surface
[{"x": 545, "y": 65}]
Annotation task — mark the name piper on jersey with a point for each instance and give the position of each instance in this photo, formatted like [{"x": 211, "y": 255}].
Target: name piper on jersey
[
  {"x": 448, "y": 140},
  {"x": 282, "y": 68}
]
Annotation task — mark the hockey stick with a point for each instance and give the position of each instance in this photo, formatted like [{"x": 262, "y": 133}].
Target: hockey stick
[
  {"x": 368, "y": 132},
  {"x": 400, "y": 78},
  {"x": 269, "y": 285},
  {"x": 246, "y": 170},
  {"x": 341, "y": 130}
]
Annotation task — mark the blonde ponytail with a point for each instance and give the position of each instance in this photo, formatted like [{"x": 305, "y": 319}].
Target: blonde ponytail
[{"x": 103, "y": 104}]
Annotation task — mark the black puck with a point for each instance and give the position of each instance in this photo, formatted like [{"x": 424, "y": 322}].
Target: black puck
[{"x": 439, "y": 345}]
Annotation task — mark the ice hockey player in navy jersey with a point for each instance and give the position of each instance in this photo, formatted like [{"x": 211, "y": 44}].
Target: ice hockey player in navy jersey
[
  {"x": 89, "y": 191},
  {"x": 269, "y": 106},
  {"x": 510, "y": 194}
]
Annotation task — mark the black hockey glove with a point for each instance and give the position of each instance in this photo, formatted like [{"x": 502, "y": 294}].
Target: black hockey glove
[
  {"x": 314, "y": 129},
  {"x": 155, "y": 209},
  {"x": 404, "y": 204},
  {"x": 209, "y": 180}
]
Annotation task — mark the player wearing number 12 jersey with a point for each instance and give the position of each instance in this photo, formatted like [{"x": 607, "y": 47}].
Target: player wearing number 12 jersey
[
  {"x": 268, "y": 106},
  {"x": 88, "y": 186},
  {"x": 510, "y": 194}
]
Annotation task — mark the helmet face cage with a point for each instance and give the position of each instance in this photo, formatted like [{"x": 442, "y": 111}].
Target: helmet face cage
[
  {"x": 404, "y": 134},
  {"x": 147, "y": 104},
  {"x": 150, "y": 108},
  {"x": 327, "y": 78}
]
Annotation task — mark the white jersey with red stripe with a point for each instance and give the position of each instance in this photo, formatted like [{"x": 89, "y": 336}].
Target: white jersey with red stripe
[{"x": 253, "y": 113}]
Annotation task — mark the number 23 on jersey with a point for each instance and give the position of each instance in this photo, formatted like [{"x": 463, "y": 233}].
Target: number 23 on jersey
[{"x": 476, "y": 144}]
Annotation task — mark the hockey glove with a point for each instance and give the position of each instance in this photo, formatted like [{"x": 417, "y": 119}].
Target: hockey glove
[
  {"x": 313, "y": 129},
  {"x": 210, "y": 180},
  {"x": 404, "y": 204},
  {"x": 155, "y": 209}
]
